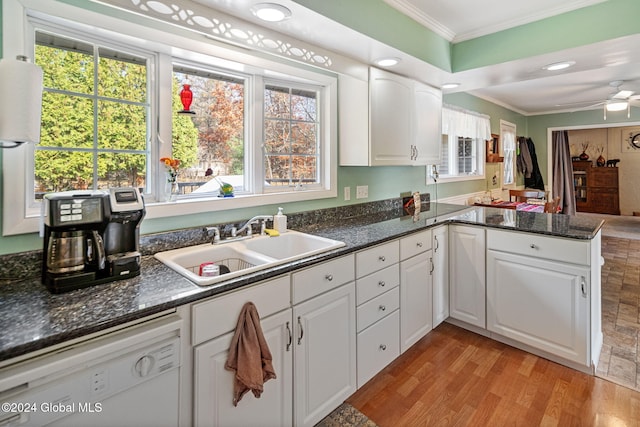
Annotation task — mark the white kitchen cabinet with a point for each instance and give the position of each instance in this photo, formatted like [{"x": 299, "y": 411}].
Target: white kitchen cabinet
[
  {"x": 353, "y": 123},
  {"x": 467, "y": 289},
  {"x": 541, "y": 303},
  {"x": 404, "y": 121},
  {"x": 416, "y": 288},
  {"x": 378, "y": 302},
  {"x": 544, "y": 292},
  {"x": 440, "y": 248},
  {"x": 213, "y": 388},
  {"x": 324, "y": 354}
]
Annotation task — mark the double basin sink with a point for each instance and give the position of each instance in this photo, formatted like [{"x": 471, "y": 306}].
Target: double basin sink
[{"x": 242, "y": 257}]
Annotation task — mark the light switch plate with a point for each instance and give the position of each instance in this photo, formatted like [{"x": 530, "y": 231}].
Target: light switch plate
[{"x": 362, "y": 191}]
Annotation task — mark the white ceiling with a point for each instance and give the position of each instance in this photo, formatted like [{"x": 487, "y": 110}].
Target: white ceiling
[{"x": 520, "y": 85}]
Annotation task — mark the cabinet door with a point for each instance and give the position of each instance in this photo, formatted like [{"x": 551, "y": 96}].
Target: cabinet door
[
  {"x": 325, "y": 354},
  {"x": 353, "y": 124},
  {"x": 390, "y": 110},
  {"x": 213, "y": 384},
  {"x": 467, "y": 291},
  {"x": 440, "y": 274},
  {"x": 427, "y": 125},
  {"x": 416, "y": 305},
  {"x": 544, "y": 304}
]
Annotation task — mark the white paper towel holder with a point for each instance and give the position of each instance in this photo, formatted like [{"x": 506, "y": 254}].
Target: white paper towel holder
[{"x": 20, "y": 102}]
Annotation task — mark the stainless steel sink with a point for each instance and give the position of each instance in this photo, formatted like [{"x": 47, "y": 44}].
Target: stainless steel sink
[{"x": 245, "y": 256}]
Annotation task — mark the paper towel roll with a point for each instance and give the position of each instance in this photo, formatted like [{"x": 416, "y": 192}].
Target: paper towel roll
[{"x": 20, "y": 101}]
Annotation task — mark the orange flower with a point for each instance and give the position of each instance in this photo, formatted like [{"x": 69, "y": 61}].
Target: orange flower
[{"x": 172, "y": 166}]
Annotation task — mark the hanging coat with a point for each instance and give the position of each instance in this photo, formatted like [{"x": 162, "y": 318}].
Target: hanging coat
[{"x": 535, "y": 179}]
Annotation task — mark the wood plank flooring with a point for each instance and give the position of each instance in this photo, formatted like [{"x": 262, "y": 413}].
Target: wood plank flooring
[{"x": 453, "y": 377}]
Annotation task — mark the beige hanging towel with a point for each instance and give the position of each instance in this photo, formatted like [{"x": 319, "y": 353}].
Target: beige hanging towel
[{"x": 249, "y": 355}]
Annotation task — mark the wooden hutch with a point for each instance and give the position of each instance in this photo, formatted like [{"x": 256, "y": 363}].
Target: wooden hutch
[{"x": 596, "y": 188}]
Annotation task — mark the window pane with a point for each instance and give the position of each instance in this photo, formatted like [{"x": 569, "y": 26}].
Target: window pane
[
  {"x": 122, "y": 126},
  {"x": 57, "y": 170},
  {"x": 66, "y": 64},
  {"x": 209, "y": 143},
  {"x": 67, "y": 121},
  {"x": 122, "y": 170},
  {"x": 121, "y": 76},
  {"x": 295, "y": 134}
]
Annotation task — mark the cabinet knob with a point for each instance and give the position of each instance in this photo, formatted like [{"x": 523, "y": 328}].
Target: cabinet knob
[
  {"x": 381, "y": 283},
  {"x": 382, "y": 258},
  {"x": 382, "y": 308},
  {"x": 532, "y": 246},
  {"x": 329, "y": 277},
  {"x": 419, "y": 244},
  {"x": 383, "y": 347}
]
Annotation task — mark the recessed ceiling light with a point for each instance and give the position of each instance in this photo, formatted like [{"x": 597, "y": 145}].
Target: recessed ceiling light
[
  {"x": 271, "y": 12},
  {"x": 450, "y": 85},
  {"x": 387, "y": 62},
  {"x": 558, "y": 65}
]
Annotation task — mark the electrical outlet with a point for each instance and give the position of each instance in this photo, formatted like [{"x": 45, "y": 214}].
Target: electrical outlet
[
  {"x": 362, "y": 191},
  {"x": 347, "y": 193}
]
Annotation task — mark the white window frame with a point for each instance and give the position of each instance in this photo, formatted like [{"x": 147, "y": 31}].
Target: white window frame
[
  {"x": 18, "y": 218},
  {"x": 508, "y": 150},
  {"x": 479, "y": 147}
]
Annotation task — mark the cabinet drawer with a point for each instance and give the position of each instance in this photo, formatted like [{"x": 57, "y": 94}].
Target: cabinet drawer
[
  {"x": 377, "y": 258},
  {"x": 378, "y": 346},
  {"x": 219, "y": 315},
  {"x": 322, "y": 278},
  {"x": 415, "y": 244},
  {"x": 379, "y": 307},
  {"x": 371, "y": 286},
  {"x": 554, "y": 248}
]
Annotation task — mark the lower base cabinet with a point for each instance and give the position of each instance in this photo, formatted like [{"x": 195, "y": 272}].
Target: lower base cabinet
[
  {"x": 213, "y": 388},
  {"x": 541, "y": 303},
  {"x": 324, "y": 354}
]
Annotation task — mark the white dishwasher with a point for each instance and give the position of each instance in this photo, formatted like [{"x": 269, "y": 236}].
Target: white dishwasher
[{"x": 126, "y": 378}]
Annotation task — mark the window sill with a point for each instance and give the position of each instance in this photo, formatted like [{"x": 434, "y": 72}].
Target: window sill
[
  {"x": 195, "y": 206},
  {"x": 460, "y": 178}
]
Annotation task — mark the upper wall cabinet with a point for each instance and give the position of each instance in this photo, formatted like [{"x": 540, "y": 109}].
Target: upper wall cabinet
[{"x": 404, "y": 122}]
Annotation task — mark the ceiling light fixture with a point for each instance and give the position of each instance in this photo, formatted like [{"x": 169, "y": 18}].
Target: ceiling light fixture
[
  {"x": 558, "y": 65},
  {"x": 271, "y": 12},
  {"x": 387, "y": 62},
  {"x": 450, "y": 85},
  {"x": 616, "y": 105}
]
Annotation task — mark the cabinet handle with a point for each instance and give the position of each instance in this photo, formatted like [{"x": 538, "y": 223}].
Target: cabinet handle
[
  {"x": 435, "y": 238},
  {"x": 382, "y": 307},
  {"x": 583, "y": 286},
  {"x": 329, "y": 277},
  {"x": 382, "y": 258},
  {"x": 301, "y": 331},
  {"x": 381, "y": 283},
  {"x": 419, "y": 244},
  {"x": 432, "y": 266},
  {"x": 415, "y": 156},
  {"x": 383, "y": 347},
  {"x": 290, "y": 336}
]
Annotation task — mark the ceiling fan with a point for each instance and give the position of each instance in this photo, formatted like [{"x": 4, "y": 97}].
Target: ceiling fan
[{"x": 618, "y": 100}]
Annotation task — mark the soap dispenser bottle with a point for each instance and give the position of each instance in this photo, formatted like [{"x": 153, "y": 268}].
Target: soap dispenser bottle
[{"x": 280, "y": 221}]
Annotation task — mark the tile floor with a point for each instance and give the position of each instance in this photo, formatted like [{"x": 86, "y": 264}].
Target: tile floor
[{"x": 620, "y": 357}]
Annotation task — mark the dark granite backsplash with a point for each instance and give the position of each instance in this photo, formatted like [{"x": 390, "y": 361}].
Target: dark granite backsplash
[{"x": 25, "y": 265}]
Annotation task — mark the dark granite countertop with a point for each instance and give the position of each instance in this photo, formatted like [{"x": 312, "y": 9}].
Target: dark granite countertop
[{"x": 32, "y": 319}]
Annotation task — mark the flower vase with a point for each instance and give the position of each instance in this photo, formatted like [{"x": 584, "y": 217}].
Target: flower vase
[
  {"x": 601, "y": 161},
  {"x": 172, "y": 188},
  {"x": 584, "y": 156}
]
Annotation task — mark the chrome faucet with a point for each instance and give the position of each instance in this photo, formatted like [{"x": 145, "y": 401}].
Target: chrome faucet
[
  {"x": 216, "y": 234},
  {"x": 247, "y": 225}
]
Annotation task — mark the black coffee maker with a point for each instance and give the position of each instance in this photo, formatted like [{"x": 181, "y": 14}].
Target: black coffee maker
[{"x": 90, "y": 237}]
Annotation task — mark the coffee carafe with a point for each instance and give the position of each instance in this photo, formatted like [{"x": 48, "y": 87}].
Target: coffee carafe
[{"x": 90, "y": 237}]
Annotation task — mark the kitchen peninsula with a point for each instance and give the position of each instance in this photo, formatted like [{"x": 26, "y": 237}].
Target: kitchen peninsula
[{"x": 529, "y": 279}]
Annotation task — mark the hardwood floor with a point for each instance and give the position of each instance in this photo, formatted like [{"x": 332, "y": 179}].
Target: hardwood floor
[{"x": 453, "y": 377}]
